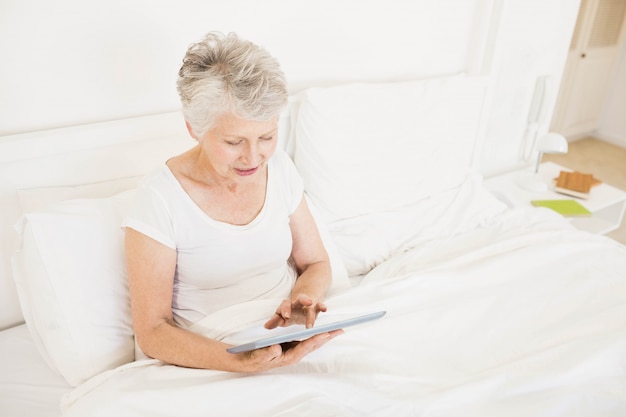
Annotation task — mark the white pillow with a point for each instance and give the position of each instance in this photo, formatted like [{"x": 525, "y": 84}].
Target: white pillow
[
  {"x": 71, "y": 280},
  {"x": 341, "y": 280},
  {"x": 365, "y": 148},
  {"x": 366, "y": 241},
  {"x": 33, "y": 199}
]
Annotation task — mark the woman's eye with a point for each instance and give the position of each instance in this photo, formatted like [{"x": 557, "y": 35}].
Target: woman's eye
[{"x": 233, "y": 143}]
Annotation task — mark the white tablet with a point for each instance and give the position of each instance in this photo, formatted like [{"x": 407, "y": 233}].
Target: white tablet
[{"x": 299, "y": 332}]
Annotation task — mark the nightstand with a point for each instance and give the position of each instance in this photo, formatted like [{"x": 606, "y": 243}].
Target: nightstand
[{"x": 606, "y": 203}]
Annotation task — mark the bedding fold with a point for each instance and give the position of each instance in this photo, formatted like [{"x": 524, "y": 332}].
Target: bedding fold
[{"x": 472, "y": 328}]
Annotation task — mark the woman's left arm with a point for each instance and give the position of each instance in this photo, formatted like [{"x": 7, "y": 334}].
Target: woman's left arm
[{"x": 314, "y": 273}]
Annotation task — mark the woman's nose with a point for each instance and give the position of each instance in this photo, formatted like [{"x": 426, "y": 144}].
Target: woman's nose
[{"x": 250, "y": 154}]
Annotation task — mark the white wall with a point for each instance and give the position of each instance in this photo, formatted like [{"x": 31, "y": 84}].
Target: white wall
[
  {"x": 76, "y": 61},
  {"x": 69, "y": 62}
]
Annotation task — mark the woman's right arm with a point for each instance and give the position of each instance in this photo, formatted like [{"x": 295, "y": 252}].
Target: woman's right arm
[{"x": 151, "y": 267}]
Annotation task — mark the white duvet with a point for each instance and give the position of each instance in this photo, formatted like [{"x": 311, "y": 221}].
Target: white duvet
[{"x": 524, "y": 316}]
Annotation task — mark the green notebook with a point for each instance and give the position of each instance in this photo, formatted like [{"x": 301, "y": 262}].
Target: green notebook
[{"x": 569, "y": 208}]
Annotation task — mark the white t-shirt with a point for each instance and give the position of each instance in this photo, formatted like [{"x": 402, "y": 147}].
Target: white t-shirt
[{"x": 220, "y": 264}]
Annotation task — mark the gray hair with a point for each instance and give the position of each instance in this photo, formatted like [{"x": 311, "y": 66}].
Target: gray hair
[{"x": 223, "y": 73}]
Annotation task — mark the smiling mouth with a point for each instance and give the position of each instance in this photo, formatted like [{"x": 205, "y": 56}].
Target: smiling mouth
[{"x": 246, "y": 172}]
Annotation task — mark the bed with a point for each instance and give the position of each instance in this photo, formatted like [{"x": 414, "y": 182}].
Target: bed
[{"x": 491, "y": 310}]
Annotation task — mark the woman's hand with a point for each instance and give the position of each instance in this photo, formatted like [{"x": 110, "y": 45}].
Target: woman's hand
[
  {"x": 301, "y": 309},
  {"x": 276, "y": 356}
]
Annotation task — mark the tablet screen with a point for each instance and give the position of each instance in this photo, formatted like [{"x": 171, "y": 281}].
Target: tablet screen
[{"x": 300, "y": 332}]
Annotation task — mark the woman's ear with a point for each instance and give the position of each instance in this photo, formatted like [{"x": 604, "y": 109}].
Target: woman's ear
[{"x": 190, "y": 130}]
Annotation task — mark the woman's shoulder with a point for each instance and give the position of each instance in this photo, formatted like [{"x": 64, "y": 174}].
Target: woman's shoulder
[
  {"x": 283, "y": 167},
  {"x": 180, "y": 164},
  {"x": 158, "y": 177},
  {"x": 281, "y": 160},
  {"x": 169, "y": 171},
  {"x": 287, "y": 179}
]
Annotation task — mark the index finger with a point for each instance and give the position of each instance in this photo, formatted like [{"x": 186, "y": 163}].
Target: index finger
[{"x": 312, "y": 312}]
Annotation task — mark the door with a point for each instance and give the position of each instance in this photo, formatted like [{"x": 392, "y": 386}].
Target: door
[{"x": 589, "y": 66}]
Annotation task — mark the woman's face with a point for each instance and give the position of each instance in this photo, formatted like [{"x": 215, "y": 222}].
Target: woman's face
[{"x": 238, "y": 149}]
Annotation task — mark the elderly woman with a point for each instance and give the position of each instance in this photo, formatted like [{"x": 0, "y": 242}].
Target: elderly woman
[{"x": 225, "y": 222}]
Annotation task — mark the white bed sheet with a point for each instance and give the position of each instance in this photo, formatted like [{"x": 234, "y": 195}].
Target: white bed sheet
[
  {"x": 522, "y": 316},
  {"x": 28, "y": 387}
]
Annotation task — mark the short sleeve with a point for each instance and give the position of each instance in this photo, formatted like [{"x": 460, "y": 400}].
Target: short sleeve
[
  {"x": 291, "y": 181},
  {"x": 150, "y": 215}
]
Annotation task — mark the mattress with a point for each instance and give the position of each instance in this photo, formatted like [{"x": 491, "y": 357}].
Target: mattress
[{"x": 28, "y": 387}]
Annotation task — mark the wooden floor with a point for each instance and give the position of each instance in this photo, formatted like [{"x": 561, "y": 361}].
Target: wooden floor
[{"x": 605, "y": 161}]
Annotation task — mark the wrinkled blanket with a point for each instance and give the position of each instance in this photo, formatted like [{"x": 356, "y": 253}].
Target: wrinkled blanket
[{"x": 524, "y": 316}]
